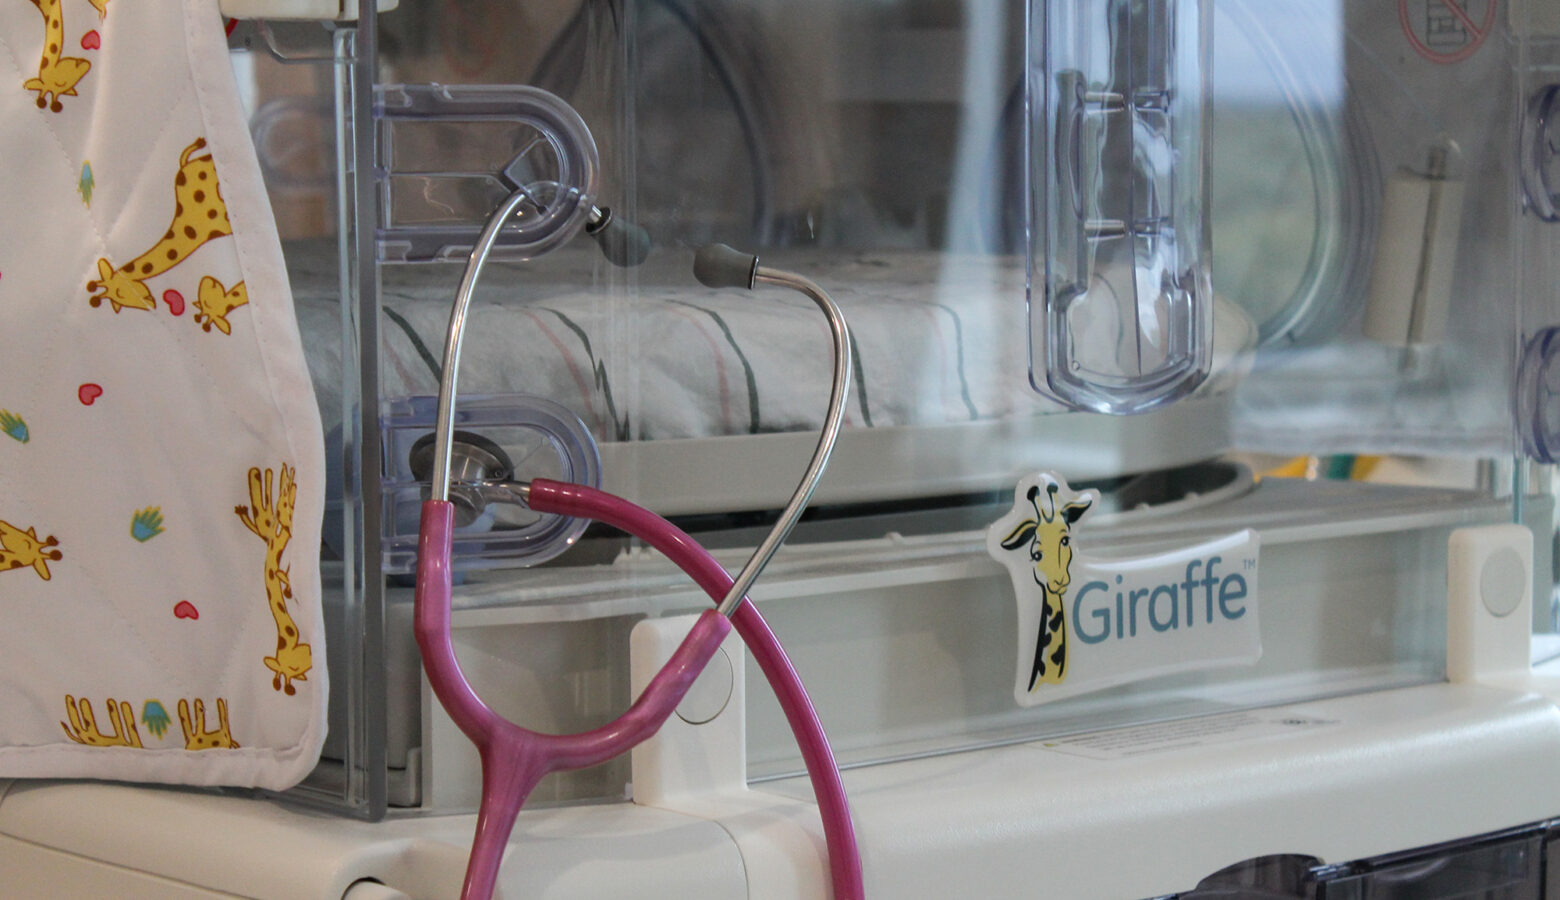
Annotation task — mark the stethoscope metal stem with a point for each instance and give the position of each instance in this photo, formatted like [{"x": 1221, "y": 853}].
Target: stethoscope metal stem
[
  {"x": 444, "y": 427},
  {"x": 839, "y": 331},
  {"x": 839, "y": 389}
]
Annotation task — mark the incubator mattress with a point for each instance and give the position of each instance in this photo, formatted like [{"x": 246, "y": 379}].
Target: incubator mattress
[{"x": 938, "y": 339}]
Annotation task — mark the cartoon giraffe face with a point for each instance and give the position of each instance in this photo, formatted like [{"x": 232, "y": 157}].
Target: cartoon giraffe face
[
  {"x": 213, "y": 304},
  {"x": 20, "y": 549},
  {"x": 199, "y": 216},
  {"x": 120, "y": 288},
  {"x": 1049, "y": 536},
  {"x": 1048, "y": 540}
]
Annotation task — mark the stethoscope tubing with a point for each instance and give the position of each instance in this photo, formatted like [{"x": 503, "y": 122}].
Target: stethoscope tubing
[
  {"x": 688, "y": 555},
  {"x": 515, "y": 759}
]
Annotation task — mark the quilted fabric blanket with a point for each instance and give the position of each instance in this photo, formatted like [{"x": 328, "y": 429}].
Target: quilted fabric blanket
[{"x": 161, "y": 460}]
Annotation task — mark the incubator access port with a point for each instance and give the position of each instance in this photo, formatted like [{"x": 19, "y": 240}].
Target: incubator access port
[
  {"x": 474, "y": 459},
  {"x": 503, "y": 437}
]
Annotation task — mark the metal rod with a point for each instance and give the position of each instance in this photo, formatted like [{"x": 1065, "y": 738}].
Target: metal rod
[
  {"x": 838, "y": 392},
  {"x": 444, "y": 428}
]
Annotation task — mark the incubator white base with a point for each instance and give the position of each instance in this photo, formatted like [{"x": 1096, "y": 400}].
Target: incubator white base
[{"x": 1355, "y": 777}]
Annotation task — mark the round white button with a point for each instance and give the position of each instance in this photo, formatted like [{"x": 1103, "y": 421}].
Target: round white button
[
  {"x": 710, "y": 691},
  {"x": 1502, "y": 581}
]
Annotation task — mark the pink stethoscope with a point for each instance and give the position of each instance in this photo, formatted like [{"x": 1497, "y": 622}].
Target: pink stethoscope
[{"x": 514, "y": 758}]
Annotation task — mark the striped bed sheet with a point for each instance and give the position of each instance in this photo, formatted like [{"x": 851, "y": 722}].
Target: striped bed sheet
[{"x": 937, "y": 339}]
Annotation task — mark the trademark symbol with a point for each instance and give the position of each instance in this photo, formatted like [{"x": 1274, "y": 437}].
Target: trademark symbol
[{"x": 1249, "y": 564}]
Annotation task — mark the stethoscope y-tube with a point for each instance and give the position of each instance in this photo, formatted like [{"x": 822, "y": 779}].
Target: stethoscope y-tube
[
  {"x": 688, "y": 555},
  {"x": 515, "y": 759}
]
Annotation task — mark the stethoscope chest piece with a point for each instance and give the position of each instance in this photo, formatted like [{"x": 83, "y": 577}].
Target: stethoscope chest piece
[{"x": 503, "y": 442}]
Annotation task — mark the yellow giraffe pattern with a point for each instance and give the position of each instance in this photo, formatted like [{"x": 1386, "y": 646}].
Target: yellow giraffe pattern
[
  {"x": 270, "y": 518},
  {"x": 57, "y": 75},
  {"x": 196, "y": 737},
  {"x": 212, "y": 304},
  {"x": 23, "y": 549},
  {"x": 199, "y": 216},
  {"x": 1047, "y": 538},
  {"x": 83, "y": 727}
]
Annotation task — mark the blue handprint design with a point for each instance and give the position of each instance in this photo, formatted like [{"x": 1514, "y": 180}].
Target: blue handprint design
[
  {"x": 146, "y": 524},
  {"x": 12, "y": 425}
]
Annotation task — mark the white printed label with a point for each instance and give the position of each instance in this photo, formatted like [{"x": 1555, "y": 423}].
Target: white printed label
[
  {"x": 1140, "y": 740},
  {"x": 1086, "y": 624}
]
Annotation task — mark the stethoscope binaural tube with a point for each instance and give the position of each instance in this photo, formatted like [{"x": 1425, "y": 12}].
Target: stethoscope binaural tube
[
  {"x": 444, "y": 425},
  {"x": 717, "y": 265}
]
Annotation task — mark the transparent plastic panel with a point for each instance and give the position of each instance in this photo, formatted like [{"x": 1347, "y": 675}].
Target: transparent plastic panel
[
  {"x": 507, "y": 438},
  {"x": 305, "y": 87},
  {"x": 450, "y": 154},
  {"x": 1538, "y": 384},
  {"x": 1119, "y": 112},
  {"x": 911, "y": 157},
  {"x": 1404, "y": 333}
]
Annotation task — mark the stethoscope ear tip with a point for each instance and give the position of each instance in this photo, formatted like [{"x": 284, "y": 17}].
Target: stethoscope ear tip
[
  {"x": 719, "y": 266},
  {"x": 623, "y": 243}
]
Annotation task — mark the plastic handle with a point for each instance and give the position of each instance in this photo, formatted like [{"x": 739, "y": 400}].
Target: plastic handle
[
  {"x": 1541, "y": 158},
  {"x": 426, "y": 210},
  {"x": 1120, "y": 294}
]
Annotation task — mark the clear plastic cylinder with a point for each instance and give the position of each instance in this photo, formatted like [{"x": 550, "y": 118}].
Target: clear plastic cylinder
[{"x": 1119, "y": 287}]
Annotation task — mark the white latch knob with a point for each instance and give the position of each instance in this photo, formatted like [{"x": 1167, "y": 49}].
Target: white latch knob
[{"x": 1489, "y": 593}]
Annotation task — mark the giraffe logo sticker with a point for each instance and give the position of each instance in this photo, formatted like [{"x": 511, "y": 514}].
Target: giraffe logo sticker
[
  {"x": 1046, "y": 536},
  {"x": 1088, "y": 622}
]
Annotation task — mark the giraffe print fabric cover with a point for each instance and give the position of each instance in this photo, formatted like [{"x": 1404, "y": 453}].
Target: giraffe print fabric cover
[{"x": 161, "y": 462}]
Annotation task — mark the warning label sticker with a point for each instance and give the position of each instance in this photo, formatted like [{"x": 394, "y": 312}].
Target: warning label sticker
[
  {"x": 1446, "y": 31},
  {"x": 1140, "y": 740}
]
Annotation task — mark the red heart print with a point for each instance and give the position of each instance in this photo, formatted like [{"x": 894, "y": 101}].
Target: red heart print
[
  {"x": 88, "y": 393},
  {"x": 175, "y": 301},
  {"x": 91, "y": 40},
  {"x": 185, "y": 610}
]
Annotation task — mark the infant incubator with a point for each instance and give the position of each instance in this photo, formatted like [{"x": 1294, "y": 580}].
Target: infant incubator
[{"x": 1190, "y": 530}]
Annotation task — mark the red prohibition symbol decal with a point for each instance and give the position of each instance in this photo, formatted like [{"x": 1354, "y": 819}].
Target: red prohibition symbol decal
[{"x": 1446, "y": 31}]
